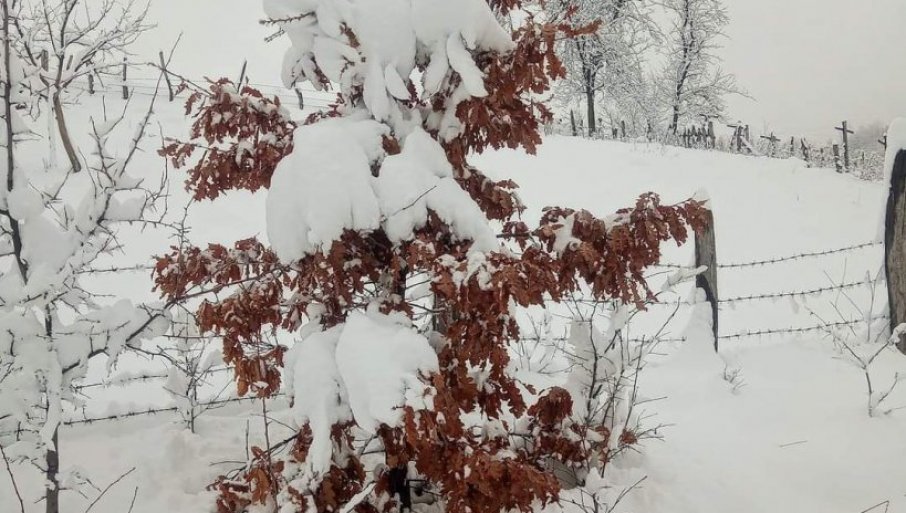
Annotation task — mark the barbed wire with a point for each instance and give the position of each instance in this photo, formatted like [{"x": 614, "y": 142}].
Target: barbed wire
[
  {"x": 128, "y": 380},
  {"x": 796, "y": 331},
  {"x": 155, "y": 411},
  {"x": 778, "y": 260},
  {"x": 799, "y": 256},
  {"x": 781, "y": 295}
]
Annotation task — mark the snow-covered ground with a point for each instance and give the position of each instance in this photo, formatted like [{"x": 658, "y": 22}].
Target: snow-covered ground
[{"x": 770, "y": 424}]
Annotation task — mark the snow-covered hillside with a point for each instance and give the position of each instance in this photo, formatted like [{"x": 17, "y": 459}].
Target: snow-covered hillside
[{"x": 773, "y": 423}]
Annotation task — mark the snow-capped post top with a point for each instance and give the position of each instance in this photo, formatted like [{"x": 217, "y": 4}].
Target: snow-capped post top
[
  {"x": 896, "y": 142},
  {"x": 702, "y": 197}
]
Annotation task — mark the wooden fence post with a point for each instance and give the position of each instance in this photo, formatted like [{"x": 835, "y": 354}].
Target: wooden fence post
[
  {"x": 301, "y": 99},
  {"x": 846, "y": 131},
  {"x": 706, "y": 255},
  {"x": 837, "y": 164},
  {"x": 90, "y": 83},
  {"x": 125, "y": 87},
  {"x": 242, "y": 75},
  {"x": 895, "y": 245},
  {"x": 572, "y": 121}
]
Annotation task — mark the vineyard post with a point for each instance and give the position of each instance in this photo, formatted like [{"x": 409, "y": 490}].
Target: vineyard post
[
  {"x": 837, "y": 163},
  {"x": 846, "y": 132},
  {"x": 895, "y": 243},
  {"x": 706, "y": 256},
  {"x": 125, "y": 87},
  {"x": 163, "y": 67}
]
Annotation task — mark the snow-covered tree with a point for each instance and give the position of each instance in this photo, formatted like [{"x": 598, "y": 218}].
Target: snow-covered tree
[
  {"x": 693, "y": 82},
  {"x": 608, "y": 65},
  {"x": 397, "y": 266},
  {"x": 56, "y": 227}
]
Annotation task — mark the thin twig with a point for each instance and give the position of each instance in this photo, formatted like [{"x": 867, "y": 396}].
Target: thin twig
[
  {"x": 12, "y": 478},
  {"x": 111, "y": 485}
]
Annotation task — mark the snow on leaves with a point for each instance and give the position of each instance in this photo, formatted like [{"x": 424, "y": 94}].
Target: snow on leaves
[
  {"x": 242, "y": 134},
  {"x": 375, "y": 201}
]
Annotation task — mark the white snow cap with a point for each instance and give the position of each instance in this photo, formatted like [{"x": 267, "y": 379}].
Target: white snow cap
[
  {"x": 326, "y": 186},
  {"x": 389, "y": 33},
  {"x": 896, "y": 141},
  {"x": 372, "y": 364},
  {"x": 380, "y": 358}
]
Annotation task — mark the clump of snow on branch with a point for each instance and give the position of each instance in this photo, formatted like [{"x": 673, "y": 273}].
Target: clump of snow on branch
[{"x": 326, "y": 185}]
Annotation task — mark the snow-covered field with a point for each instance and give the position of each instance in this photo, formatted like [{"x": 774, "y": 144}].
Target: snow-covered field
[{"x": 770, "y": 424}]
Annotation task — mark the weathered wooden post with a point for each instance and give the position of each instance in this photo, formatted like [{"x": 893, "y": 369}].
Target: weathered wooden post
[
  {"x": 301, "y": 98},
  {"x": 706, "y": 255},
  {"x": 846, "y": 131},
  {"x": 712, "y": 137},
  {"x": 572, "y": 121},
  {"x": 772, "y": 143},
  {"x": 837, "y": 164},
  {"x": 90, "y": 83},
  {"x": 242, "y": 75},
  {"x": 125, "y": 87},
  {"x": 623, "y": 128},
  {"x": 163, "y": 69},
  {"x": 895, "y": 234}
]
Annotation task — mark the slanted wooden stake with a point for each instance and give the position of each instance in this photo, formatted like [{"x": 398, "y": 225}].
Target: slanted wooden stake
[
  {"x": 242, "y": 74},
  {"x": 895, "y": 245},
  {"x": 706, "y": 255},
  {"x": 846, "y": 131},
  {"x": 737, "y": 135},
  {"x": 163, "y": 68},
  {"x": 301, "y": 99}
]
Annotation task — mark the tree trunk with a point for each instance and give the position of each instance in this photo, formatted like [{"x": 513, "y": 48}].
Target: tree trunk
[
  {"x": 52, "y": 461},
  {"x": 64, "y": 134},
  {"x": 590, "y": 105}
]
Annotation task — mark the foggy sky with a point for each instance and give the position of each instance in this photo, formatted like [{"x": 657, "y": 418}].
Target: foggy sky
[
  {"x": 808, "y": 63},
  {"x": 811, "y": 63}
]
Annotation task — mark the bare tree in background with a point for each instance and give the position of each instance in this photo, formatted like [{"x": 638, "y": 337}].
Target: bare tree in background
[
  {"x": 61, "y": 41},
  {"x": 692, "y": 82},
  {"x": 608, "y": 65}
]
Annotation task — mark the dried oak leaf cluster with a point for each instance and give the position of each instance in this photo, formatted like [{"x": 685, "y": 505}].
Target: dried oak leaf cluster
[{"x": 247, "y": 295}]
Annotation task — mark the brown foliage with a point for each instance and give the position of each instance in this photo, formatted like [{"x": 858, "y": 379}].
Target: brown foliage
[
  {"x": 242, "y": 134},
  {"x": 474, "y": 469}
]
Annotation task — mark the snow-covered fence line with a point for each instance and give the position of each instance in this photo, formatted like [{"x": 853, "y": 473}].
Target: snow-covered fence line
[{"x": 865, "y": 162}]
